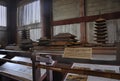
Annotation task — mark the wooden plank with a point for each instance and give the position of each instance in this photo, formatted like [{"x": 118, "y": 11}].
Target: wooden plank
[
  {"x": 107, "y": 16},
  {"x": 24, "y": 2},
  {"x": 15, "y": 53}
]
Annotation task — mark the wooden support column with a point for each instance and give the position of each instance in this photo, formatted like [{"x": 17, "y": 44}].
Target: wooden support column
[
  {"x": 46, "y": 14},
  {"x": 35, "y": 71},
  {"x": 83, "y": 38},
  {"x": 42, "y": 17},
  {"x": 118, "y": 51},
  {"x": 11, "y": 21}
]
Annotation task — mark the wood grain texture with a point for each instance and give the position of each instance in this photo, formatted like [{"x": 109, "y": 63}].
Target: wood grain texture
[{"x": 107, "y": 16}]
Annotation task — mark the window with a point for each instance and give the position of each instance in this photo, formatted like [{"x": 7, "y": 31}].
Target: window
[
  {"x": 29, "y": 14},
  {"x": 29, "y": 18},
  {"x": 3, "y": 16}
]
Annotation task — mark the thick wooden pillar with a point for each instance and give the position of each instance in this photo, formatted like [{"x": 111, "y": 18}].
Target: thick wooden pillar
[
  {"x": 83, "y": 24},
  {"x": 118, "y": 52},
  {"x": 11, "y": 21},
  {"x": 46, "y": 17}
]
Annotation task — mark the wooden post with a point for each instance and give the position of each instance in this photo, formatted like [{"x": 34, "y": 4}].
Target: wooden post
[
  {"x": 118, "y": 52},
  {"x": 49, "y": 72},
  {"x": 83, "y": 24},
  {"x": 35, "y": 71}
]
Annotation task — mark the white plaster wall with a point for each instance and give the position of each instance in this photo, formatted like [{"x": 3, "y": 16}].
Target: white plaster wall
[
  {"x": 65, "y": 9},
  {"x": 93, "y": 7},
  {"x": 90, "y": 32}
]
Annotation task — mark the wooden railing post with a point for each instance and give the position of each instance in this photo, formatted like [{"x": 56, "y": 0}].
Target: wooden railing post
[{"x": 35, "y": 71}]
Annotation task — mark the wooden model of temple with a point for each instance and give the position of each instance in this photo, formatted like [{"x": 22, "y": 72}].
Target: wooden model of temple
[
  {"x": 59, "y": 40},
  {"x": 101, "y": 31},
  {"x": 64, "y": 39}
]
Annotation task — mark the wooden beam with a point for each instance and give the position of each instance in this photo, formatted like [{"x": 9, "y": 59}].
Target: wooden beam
[
  {"x": 107, "y": 16},
  {"x": 16, "y": 53},
  {"x": 3, "y": 3},
  {"x": 8, "y": 57},
  {"x": 24, "y": 2},
  {"x": 65, "y": 69},
  {"x": 83, "y": 38}
]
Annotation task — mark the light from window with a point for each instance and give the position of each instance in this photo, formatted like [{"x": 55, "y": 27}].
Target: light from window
[
  {"x": 29, "y": 14},
  {"x": 3, "y": 16}
]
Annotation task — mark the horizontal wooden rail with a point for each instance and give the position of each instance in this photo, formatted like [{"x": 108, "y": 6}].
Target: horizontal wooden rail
[
  {"x": 69, "y": 70},
  {"x": 16, "y": 62},
  {"x": 16, "y": 53},
  {"x": 107, "y": 16},
  {"x": 81, "y": 71}
]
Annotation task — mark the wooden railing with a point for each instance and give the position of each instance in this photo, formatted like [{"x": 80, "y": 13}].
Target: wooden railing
[{"x": 65, "y": 68}]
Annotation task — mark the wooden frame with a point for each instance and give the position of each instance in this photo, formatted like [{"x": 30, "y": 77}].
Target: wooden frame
[{"x": 107, "y": 16}]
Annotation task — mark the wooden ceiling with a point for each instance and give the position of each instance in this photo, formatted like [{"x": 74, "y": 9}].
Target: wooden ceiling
[
  {"x": 5, "y": 2},
  {"x": 19, "y": 2},
  {"x": 10, "y": 0}
]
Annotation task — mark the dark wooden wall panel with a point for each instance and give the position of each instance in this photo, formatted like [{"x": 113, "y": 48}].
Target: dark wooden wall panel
[{"x": 11, "y": 21}]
